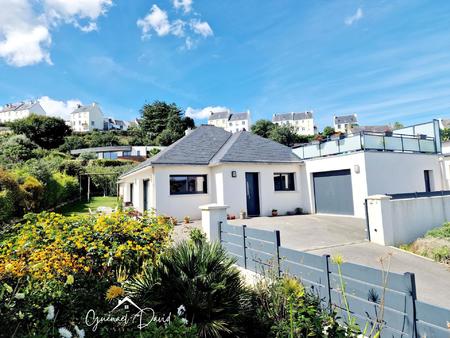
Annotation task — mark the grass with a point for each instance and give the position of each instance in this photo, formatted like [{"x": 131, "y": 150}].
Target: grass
[{"x": 82, "y": 207}]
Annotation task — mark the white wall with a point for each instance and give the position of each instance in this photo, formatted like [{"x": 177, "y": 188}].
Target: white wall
[
  {"x": 339, "y": 162},
  {"x": 390, "y": 173},
  {"x": 137, "y": 179},
  {"x": 180, "y": 206},
  {"x": 234, "y": 188},
  {"x": 395, "y": 222}
]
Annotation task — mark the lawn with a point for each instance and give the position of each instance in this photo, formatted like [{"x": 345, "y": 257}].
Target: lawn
[{"x": 82, "y": 207}]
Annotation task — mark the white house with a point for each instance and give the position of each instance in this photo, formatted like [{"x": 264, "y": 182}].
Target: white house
[
  {"x": 15, "y": 111},
  {"x": 87, "y": 118},
  {"x": 110, "y": 123},
  {"x": 232, "y": 122},
  {"x": 343, "y": 124},
  {"x": 245, "y": 171},
  {"x": 115, "y": 152},
  {"x": 303, "y": 123},
  {"x": 256, "y": 175}
]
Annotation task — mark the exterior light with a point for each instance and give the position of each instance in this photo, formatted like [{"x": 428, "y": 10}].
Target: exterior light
[
  {"x": 233, "y": 173},
  {"x": 356, "y": 168}
]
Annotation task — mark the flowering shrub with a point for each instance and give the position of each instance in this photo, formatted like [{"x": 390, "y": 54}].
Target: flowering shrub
[
  {"x": 50, "y": 246},
  {"x": 54, "y": 268}
]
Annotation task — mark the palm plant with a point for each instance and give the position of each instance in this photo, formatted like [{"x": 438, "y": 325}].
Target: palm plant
[{"x": 201, "y": 277}]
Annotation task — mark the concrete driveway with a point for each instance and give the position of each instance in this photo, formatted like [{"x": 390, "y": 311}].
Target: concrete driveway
[
  {"x": 311, "y": 232},
  {"x": 320, "y": 234}
]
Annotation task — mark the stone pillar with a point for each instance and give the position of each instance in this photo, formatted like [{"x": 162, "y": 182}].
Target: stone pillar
[
  {"x": 212, "y": 214},
  {"x": 380, "y": 219}
]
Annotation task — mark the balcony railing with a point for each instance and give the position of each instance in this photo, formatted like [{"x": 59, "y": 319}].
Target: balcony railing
[{"x": 368, "y": 141}]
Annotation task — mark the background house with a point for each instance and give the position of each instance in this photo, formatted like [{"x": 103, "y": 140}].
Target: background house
[
  {"x": 303, "y": 123},
  {"x": 87, "y": 118},
  {"x": 115, "y": 152},
  {"x": 343, "y": 124},
  {"x": 232, "y": 122},
  {"x": 15, "y": 111}
]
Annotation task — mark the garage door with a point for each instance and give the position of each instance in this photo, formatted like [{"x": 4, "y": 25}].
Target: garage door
[{"x": 333, "y": 192}]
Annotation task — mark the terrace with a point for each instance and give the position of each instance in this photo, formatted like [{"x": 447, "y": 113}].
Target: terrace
[{"x": 369, "y": 141}]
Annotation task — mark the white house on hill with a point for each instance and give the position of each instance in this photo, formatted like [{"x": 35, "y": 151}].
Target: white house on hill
[
  {"x": 344, "y": 124},
  {"x": 16, "y": 111},
  {"x": 303, "y": 123},
  {"x": 87, "y": 118},
  {"x": 232, "y": 122}
]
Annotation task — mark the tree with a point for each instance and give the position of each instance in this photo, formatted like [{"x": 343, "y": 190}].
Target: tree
[
  {"x": 47, "y": 132},
  {"x": 445, "y": 134},
  {"x": 284, "y": 135},
  {"x": 73, "y": 142},
  {"x": 328, "y": 131},
  {"x": 263, "y": 128},
  {"x": 17, "y": 148},
  {"x": 397, "y": 125},
  {"x": 162, "y": 123},
  {"x": 102, "y": 139}
]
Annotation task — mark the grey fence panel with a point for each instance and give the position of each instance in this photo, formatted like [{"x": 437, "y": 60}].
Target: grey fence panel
[
  {"x": 263, "y": 235},
  {"x": 432, "y": 321},
  {"x": 393, "y": 306}
]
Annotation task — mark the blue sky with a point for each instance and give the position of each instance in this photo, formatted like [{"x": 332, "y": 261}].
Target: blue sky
[{"x": 384, "y": 60}]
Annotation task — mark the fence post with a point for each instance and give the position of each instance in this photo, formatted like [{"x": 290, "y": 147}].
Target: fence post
[
  {"x": 411, "y": 304},
  {"x": 244, "y": 249},
  {"x": 277, "y": 251},
  {"x": 326, "y": 282},
  {"x": 212, "y": 215}
]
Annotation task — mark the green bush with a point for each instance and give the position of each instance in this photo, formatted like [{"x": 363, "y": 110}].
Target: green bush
[
  {"x": 110, "y": 163},
  {"x": 33, "y": 193},
  {"x": 203, "y": 279},
  {"x": 61, "y": 188},
  {"x": 10, "y": 196},
  {"x": 440, "y": 232},
  {"x": 16, "y": 149}
]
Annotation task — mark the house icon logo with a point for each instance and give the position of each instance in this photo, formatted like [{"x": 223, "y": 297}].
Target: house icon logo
[{"x": 125, "y": 304}]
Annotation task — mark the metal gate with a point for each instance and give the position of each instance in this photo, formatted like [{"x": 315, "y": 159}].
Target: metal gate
[{"x": 333, "y": 192}]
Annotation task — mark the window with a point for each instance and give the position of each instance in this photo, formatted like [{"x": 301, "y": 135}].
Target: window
[
  {"x": 283, "y": 181},
  {"x": 231, "y": 124},
  {"x": 111, "y": 155},
  {"x": 92, "y": 123},
  {"x": 131, "y": 193},
  {"x": 126, "y": 153},
  {"x": 188, "y": 184}
]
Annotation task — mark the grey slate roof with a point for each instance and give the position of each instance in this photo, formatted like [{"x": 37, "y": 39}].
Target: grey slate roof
[
  {"x": 82, "y": 109},
  {"x": 375, "y": 129},
  {"x": 292, "y": 116},
  {"x": 211, "y": 145},
  {"x": 345, "y": 119},
  {"x": 239, "y": 116},
  {"x": 219, "y": 116},
  {"x": 100, "y": 149},
  {"x": 17, "y": 106}
]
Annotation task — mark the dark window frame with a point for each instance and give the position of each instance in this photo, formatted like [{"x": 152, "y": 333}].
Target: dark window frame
[
  {"x": 290, "y": 185},
  {"x": 205, "y": 184}
]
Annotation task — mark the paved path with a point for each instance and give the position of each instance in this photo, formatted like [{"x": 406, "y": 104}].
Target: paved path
[{"x": 346, "y": 236}]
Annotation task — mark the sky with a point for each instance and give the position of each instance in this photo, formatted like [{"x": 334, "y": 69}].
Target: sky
[{"x": 386, "y": 61}]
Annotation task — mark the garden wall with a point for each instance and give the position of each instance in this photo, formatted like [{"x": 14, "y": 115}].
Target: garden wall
[{"x": 395, "y": 221}]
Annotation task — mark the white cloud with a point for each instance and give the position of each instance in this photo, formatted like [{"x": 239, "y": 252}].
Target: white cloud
[
  {"x": 25, "y": 31},
  {"x": 186, "y": 5},
  {"x": 201, "y": 27},
  {"x": 355, "y": 17},
  {"x": 58, "y": 108},
  {"x": 201, "y": 114},
  {"x": 156, "y": 20}
]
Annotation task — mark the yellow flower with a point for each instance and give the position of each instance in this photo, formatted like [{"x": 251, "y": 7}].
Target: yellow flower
[
  {"x": 70, "y": 280},
  {"x": 114, "y": 292},
  {"x": 338, "y": 259}
]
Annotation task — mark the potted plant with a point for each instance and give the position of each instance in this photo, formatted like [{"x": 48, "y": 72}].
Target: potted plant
[
  {"x": 232, "y": 217},
  {"x": 274, "y": 212},
  {"x": 298, "y": 211},
  {"x": 173, "y": 220},
  {"x": 187, "y": 219},
  {"x": 243, "y": 214},
  {"x": 388, "y": 133}
]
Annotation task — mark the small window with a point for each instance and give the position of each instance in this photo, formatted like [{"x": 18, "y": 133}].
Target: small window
[
  {"x": 92, "y": 123},
  {"x": 283, "y": 181},
  {"x": 188, "y": 184},
  {"x": 231, "y": 124}
]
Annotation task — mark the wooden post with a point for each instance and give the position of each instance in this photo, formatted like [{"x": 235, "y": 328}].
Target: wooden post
[{"x": 89, "y": 189}]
